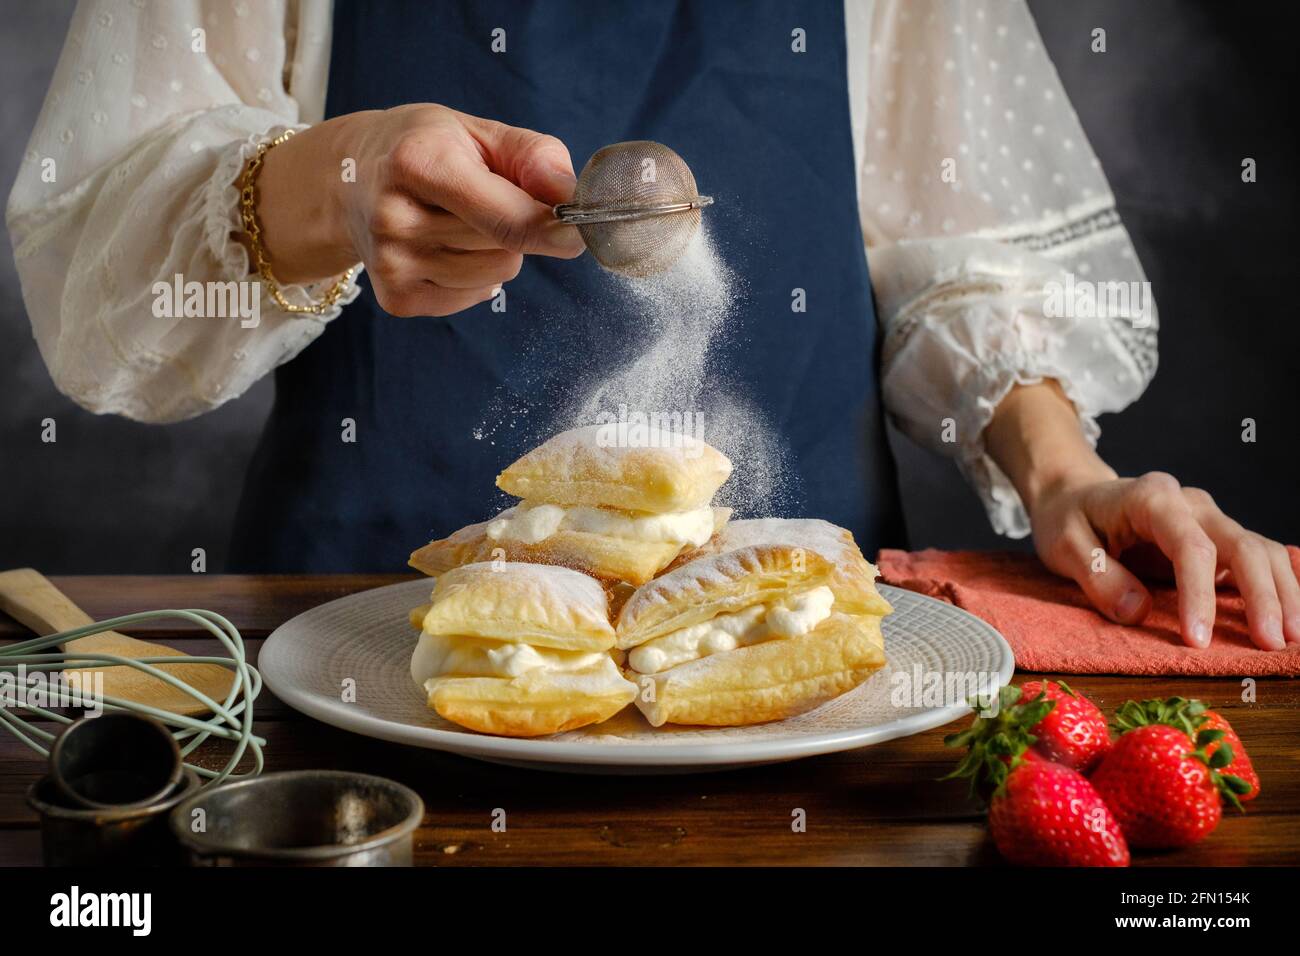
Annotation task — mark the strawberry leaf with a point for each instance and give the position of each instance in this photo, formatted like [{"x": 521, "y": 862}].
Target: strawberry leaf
[
  {"x": 959, "y": 739},
  {"x": 1207, "y": 737},
  {"x": 1186, "y": 715},
  {"x": 1228, "y": 785},
  {"x": 1235, "y": 784},
  {"x": 1221, "y": 757},
  {"x": 997, "y": 743}
]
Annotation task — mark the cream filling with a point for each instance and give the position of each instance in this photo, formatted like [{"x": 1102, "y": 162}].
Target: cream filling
[
  {"x": 788, "y": 618},
  {"x": 530, "y": 523},
  {"x": 440, "y": 654}
]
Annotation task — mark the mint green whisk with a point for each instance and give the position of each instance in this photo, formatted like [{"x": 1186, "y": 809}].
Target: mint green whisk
[{"x": 229, "y": 719}]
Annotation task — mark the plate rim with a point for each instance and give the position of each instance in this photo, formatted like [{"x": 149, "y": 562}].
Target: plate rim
[{"x": 545, "y": 751}]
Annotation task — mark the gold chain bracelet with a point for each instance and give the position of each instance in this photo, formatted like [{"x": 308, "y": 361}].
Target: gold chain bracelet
[{"x": 253, "y": 229}]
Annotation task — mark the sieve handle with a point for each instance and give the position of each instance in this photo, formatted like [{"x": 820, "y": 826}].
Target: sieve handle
[{"x": 577, "y": 214}]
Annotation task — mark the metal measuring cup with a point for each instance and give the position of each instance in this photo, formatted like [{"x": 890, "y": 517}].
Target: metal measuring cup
[
  {"x": 85, "y": 836},
  {"x": 118, "y": 760},
  {"x": 301, "y": 818},
  {"x": 112, "y": 781}
]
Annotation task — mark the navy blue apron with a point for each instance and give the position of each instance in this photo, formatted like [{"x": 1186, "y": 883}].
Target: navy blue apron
[{"x": 764, "y": 129}]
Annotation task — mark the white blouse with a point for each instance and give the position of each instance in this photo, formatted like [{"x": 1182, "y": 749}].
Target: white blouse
[{"x": 978, "y": 192}]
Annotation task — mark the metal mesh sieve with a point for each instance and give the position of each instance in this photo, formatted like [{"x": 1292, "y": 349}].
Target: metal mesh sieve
[{"x": 636, "y": 207}]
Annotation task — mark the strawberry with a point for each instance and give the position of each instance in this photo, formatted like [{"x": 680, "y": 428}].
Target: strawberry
[
  {"x": 1045, "y": 814},
  {"x": 1238, "y": 764},
  {"x": 1191, "y": 717},
  {"x": 1040, "y": 719},
  {"x": 1074, "y": 733},
  {"x": 1163, "y": 793}
]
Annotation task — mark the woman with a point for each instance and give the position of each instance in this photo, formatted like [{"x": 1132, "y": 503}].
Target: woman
[{"x": 977, "y": 196}]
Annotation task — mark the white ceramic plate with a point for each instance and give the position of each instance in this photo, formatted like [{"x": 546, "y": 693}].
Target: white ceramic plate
[{"x": 307, "y": 661}]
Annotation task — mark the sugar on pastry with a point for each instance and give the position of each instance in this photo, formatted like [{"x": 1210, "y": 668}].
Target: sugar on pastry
[
  {"x": 518, "y": 650},
  {"x": 768, "y": 619},
  {"x": 617, "y": 501}
]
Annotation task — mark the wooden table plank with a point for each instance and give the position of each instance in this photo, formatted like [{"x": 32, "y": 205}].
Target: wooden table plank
[
  {"x": 879, "y": 805},
  {"x": 20, "y": 847},
  {"x": 716, "y": 841}
]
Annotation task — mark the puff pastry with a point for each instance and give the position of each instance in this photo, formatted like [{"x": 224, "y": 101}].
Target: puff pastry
[
  {"x": 602, "y": 500},
  {"x": 519, "y": 650},
  {"x": 620, "y": 465},
  {"x": 769, "y": 619},
  {"x": 612, "y": 559},
  {"x": 768, "y": 681},
  {"x": 853, "y": 577}
]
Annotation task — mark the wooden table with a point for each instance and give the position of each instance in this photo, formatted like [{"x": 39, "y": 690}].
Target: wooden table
[{"x": 877, "y": 806}]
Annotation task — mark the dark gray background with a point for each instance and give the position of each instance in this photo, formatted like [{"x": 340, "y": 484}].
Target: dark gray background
[{"x": 1184, "y": 92}]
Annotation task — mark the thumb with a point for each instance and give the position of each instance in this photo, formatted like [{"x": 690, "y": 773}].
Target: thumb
[
  {"x": 1111, "y": 587},
  {"x": 538, "y": 164}
]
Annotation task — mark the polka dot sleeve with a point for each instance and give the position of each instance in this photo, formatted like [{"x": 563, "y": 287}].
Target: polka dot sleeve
[
  {"x": 128, "y": 184},
  {"x": 996, "y": 252}
]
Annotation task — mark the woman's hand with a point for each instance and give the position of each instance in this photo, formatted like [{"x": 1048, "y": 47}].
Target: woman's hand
[
  {"x": 1104, "y": 531},
  {"x": 440, "y": 206},
  {"x": 1156, "y": 526}
]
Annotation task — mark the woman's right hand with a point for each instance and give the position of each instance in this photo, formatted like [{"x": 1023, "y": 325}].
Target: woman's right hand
[{"x": 440, "y": 206}]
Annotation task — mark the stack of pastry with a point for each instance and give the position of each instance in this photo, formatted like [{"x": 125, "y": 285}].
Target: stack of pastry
[
  {"x": 616, "y": 503},
  {"x": 718, "y": 622},
  {"x": 518, "y": 650},
  {"x": 770, "y": 619}
]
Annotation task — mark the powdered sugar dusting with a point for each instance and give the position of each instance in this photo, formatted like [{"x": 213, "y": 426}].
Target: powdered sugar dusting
[
  {"x": 566, "y": 592},
  {"x": 674, "y": 367},
  {"x": 689, "y": 584},
  {"x": 812, "y": 534},
  {"x": 679, "y": 373},
  {"x": 687, "y": 308},
  {"x": 617, "y": 440},
  {"x": 732, "y": 554}
]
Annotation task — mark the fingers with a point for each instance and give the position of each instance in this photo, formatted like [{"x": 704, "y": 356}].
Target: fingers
[
  {"x": 445, "y": 231},
  {"x": 1254, "y": 576},
  {"x": 1110, "y": 586},
  {"x": 1203, "y": 545},
  {"x": 1288, "y": 591},
  {"x": 457, "y": 180},
  {"x": 448, "y": 268},
  {"x": 421, "y": 297},
  {"x": 417, "y": 255},
  {"x": 409, "y": 281},
  {"x": 473, "y": 270},
  {"x": 1159, "y": 512},
  {"x": 537, "y": 163},
  {"x": 1259, "y": 572},
  {"x": 401, "y": 219}
]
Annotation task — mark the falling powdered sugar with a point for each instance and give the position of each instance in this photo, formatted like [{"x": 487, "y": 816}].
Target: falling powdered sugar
[
  {"x": 673, "y": 381},
  {"x": 685, "y": 308}
]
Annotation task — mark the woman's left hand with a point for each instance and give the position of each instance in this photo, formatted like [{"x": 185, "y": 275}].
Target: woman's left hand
[
  {"x": 1105, "y": 532},
  {"x": 1082, "y": 530}
]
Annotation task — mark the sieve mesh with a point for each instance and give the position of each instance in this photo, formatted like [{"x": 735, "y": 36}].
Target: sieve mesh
[{"x": 636, "y": 206}]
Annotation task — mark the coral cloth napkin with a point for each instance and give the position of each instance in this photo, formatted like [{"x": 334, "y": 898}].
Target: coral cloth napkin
[{"x": 1051, "y": 626}]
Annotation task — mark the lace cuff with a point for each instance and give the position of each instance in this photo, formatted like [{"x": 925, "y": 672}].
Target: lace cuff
[
  {"x": 983, "y": 322},
  {"x": 1001, "y": 501}
]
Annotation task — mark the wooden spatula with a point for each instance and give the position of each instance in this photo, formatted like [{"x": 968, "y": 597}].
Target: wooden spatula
[{"x": 30, "y": 598}]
